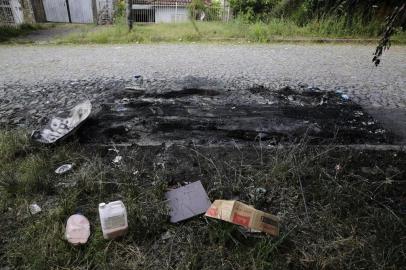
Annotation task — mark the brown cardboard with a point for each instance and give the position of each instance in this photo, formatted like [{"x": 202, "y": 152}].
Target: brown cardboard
[{"x": 244, "y": 215}]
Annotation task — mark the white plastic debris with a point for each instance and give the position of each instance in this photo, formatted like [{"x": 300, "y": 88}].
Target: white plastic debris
[
  {"x": 166, "y": 235},
  {"x": 64, "y": 169},
  {"x": 117, "y": 159},
  {"x": 77, "y": 229},
  {"x": 113, "y": 219},
  {"x": 63, "y": 124},
  {"x": 34, "y": 209},
  {"x": 260, "y": 190},
  {"x": 345, "y": 97}
]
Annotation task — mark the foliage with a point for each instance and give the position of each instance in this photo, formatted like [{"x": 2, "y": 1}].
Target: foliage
[
  {"x": 120, "y": 9},
  {"x": 253, "y": 9},
  {"x": 391, "y": 24},
  {"x": 305, "y": 11},
  {"x": 201, "y": 10}
]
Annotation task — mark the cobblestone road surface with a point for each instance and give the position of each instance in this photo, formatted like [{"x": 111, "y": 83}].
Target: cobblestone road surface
[{"x": 348, "y": 68}]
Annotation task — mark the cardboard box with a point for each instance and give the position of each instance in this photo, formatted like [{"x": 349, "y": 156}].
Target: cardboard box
[{"x": 244, "y": 215}]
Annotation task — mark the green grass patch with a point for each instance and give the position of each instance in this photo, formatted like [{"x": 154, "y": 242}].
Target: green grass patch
[
  {"x": 9, "y": 32},
  {"x": 274, "y": 30},
  {"x": 343, "y": 218}
]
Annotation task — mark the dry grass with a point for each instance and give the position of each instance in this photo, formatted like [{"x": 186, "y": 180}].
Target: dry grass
[{"x": 332, "y": 218}]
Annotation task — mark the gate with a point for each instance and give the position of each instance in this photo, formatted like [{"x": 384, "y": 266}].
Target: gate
[
  {"x": 81, "y": 11},
  {"x": 172, "y": 11},
  {"x": 56, "y": 10},
  {"x": 74, "y": 11},
  {"x": 10, "y": 12}
]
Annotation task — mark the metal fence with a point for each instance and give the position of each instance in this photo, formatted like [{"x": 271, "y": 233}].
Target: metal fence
[
  {"x": 6, "y": 13},
  {"x": 11, "y": 13},
  {"x": 167, "y": 11}
]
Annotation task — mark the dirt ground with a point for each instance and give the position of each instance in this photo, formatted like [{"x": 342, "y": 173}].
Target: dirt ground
[{"x": 52, "y": 32}]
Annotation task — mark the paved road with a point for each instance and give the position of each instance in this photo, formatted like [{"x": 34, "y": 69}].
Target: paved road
[
  {"x": 347, "y": 67},
  {"x": 325, "y": 66}
]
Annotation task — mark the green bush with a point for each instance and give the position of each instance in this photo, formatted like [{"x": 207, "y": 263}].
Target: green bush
[{"x": 120, "y": 9}]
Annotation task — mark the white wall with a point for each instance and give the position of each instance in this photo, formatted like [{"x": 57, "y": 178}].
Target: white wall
[{"x": 168, "y": 14}]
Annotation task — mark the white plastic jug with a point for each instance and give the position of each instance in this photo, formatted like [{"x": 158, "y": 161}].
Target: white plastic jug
[{"x": 113, "y": 219}]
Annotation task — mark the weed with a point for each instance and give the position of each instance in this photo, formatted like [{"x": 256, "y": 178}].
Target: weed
[
  {"x": 331, "y": 218},
  {"x": 219, "y": 31}
]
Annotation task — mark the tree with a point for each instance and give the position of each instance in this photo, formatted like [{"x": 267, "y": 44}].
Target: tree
[
  {"x": 392, "y": 22},
  {"x": 253, "y": 9}
]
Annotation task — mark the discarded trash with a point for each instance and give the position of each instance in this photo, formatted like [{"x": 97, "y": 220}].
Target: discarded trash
[
  {"x": 345, "y": 97},
  {"x": 244, "y": 215},
  {"x": 117, "y": 159},
  {"x": 121, "y": 108},
  {"x": 258, "y": 193},
  {"x": 187, "y": 201},
  {"x": 166, "y": 235},
  {"x": 139, "y": 79},
  {"x": 34, "y": 209},
  {"x": 113, "y": 219},
  {"x": 64, "y": 169},
  {"x": 250, "y": 233},
  {"x": 77, "y": 229},
  {"x": 358, "y": 113},
  {"x": 63, "y": 124}
]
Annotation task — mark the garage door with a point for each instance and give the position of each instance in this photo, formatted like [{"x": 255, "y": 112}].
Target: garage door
[
  {"x": 56, "y": 10},
  {"x": 81, "y": 11}
]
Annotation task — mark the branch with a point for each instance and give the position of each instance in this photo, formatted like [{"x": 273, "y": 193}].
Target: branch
[{"x": 391, "y": 22}]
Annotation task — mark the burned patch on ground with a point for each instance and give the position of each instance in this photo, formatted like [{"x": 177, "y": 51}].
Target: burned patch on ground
[{"x": 218, "y": 115}]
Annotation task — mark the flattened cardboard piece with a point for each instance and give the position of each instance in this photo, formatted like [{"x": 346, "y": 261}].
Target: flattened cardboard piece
[
  {"x": 187, "y": 201},
  {"x": 244, "y": 215},
  {"x": 63, "y": 124}
]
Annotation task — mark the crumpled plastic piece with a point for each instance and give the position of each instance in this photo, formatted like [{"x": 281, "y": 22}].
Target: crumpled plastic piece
[
  {"x": 63, "y": 124},
  {"x": 64, "y": 169},
  {"x": 34, "y": 209}
]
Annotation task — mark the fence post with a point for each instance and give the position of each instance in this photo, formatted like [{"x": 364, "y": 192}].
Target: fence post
[
  {"x": 128, "y": 13},
  {"x": 176, "y": 11}
]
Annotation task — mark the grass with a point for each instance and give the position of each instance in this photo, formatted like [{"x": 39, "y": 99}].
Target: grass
[
  {"x": 9, "y": 32},
  {"x": 332, "y": 217},
  {"x": 273, "y": 31}
]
